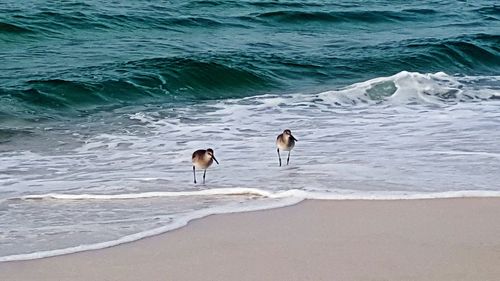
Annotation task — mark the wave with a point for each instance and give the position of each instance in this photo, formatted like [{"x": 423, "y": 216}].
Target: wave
[
  {"x": 12, "y": 28},
  {"x": 207, "y": 192},
  {"x": 55, "y": 23},
  {"x": 299, "y": 17},
  {"x": 490, "y": 12},
  {"x": 291, "y": 193},
  {"x": 88, "y": 17},
  {"x": 166, "y": 80},
  {"x": 288, "y": 197},
  {"x": 174, "y": 81},
  {"x": 421, "y": 11},
  {"x": 187, "y": 81},
  {"x": 411, "y": 88},
  {"x": 471, "y": 52},
  {"x": 51, "y": 23},
  {"x": 92, "y": 17},
  {"x": 161, "y": 23}
]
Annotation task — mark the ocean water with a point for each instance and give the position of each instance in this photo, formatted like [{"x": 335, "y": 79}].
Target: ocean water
[{"x": 103, "y": 102}]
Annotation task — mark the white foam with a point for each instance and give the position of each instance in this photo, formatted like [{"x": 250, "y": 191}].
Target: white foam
[
  {"x": 410, "y": 87},
  {"x": 292, "y": 193},
  {"x": 206, "y": 192}
]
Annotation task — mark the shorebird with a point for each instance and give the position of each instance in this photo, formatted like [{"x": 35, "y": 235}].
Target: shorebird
[
  {"x": 285, "y": 142},
  {"x": 202, "y": 159}
]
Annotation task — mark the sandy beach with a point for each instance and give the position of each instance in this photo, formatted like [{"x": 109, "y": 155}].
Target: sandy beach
[{"x": 440, "y": 239}]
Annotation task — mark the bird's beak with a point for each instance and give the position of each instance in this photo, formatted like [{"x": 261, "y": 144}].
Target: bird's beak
[
  {"x": 213, "y": 157},
  {"x": 293, "y": 138}
]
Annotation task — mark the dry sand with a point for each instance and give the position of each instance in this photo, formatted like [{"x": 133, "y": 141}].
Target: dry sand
[{"x": 442, "y": 239}]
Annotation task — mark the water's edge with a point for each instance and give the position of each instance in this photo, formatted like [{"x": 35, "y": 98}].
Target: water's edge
[{"x": 288, "y": 198}]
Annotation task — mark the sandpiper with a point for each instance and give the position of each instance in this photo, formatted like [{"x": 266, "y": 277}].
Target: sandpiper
[
  {"x": 285, "y": 142},
  {"x": 202, "y": 159}
]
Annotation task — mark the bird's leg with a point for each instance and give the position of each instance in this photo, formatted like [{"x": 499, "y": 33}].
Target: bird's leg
[
  {"x": 288, "y": 159},
  {"x": 279, "y": 157},
  {"x": 194, "y": 174},
  {"x": 204, "y": 173}
]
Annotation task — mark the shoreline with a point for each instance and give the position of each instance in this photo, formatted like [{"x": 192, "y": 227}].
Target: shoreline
[
  {"x": 296, "y": 196},
  {"x": 419, "y": 239}
]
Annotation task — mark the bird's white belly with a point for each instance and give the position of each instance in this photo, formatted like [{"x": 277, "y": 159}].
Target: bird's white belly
[
  {"x": 202, "y": 165},
  {"x": 285, "y": 147}
]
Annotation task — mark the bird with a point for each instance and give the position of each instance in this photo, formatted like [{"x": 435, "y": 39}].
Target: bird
[
  {"x": 285, "y": 142},
  {"x": 202, "y": 159}
]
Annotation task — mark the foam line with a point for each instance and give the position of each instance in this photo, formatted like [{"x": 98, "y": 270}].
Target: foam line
[
  {"x": 206, "y": 192},
  {"x": 292, "y": 193}
]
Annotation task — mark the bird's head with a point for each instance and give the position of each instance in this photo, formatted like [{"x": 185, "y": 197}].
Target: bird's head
[
  {"x": 210, "y": 152},
  {"x": 288, "y": 133}
]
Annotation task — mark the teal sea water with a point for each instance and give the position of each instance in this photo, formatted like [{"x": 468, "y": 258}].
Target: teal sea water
[{"x": 102, "y": 104}]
